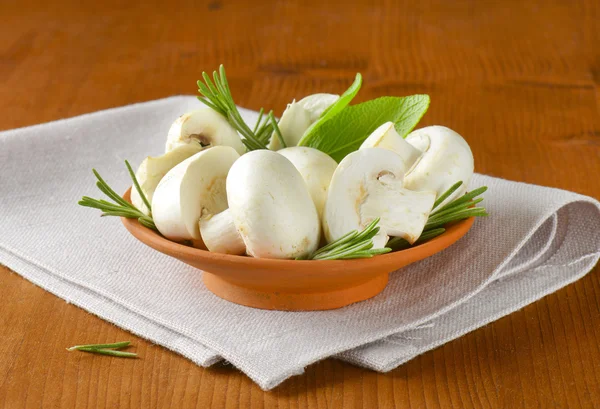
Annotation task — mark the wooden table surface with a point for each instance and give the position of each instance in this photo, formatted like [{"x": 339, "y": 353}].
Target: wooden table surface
[{"x": 519, "y": 79}]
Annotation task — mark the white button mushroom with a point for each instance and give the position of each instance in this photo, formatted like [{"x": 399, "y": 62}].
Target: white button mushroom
[
  {"x": 386, "y": 137},
  {"x": 316, "y": 104},
  {"x": 193, "y": 188},
  {"x": 153, "y": 169},
  {"x": 205, "y": 126},
  {"x": 270, "y": 208},
  {"x": 367, "y": 184},
  {"x": 299, "y": 116},
  {"x": 446, "y": 159},
  {"x": 316, "y": 168}
]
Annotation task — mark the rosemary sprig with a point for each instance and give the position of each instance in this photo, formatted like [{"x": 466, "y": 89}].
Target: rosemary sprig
[
  {"x": 121, "y": 207},
  {"x": 458, "y": 209},
  {"x": 114, "y": 345},
  {"x": 352, "y": 245},
  {"x": 106, "y": 349},
  {"x": 111, "y": 352},
  {"x": 217, "y": 95}
]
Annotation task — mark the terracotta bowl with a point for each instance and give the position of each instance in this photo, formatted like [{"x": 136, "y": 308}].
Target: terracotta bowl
[{"x": 304, "y": 285}]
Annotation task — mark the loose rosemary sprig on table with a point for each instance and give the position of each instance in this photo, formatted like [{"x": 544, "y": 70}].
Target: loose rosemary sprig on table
[
  {"x": 460, "y": 208},
  {"x": 217, "y": 95},
  {"x": 351, "y": 245},
  {"x": 120, "y": 207},
  {"x": 106, "y": 349}
]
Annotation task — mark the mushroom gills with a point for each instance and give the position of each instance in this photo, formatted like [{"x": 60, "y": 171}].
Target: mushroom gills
[
  {"x": 206, "y": 127},
  {"x": 402, "y": 212}
]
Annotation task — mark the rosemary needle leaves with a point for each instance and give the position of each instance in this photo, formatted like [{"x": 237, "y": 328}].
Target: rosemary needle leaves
[
  {"x": 217, "y": 95},
  {"x": 106, "y": 349},
  {"x": 460, "y": 208},
  {"x": 120, "y": 207},
  {"x": 351, "y": 245}
]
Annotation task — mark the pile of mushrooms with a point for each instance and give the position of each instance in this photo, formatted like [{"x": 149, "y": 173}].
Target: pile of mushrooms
[{"x": 206, "y": 190}]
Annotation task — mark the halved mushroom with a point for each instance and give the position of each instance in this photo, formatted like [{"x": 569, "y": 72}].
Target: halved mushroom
[
  {"x": 153, "y": 169},
  {"x": 368, "y": 184},
  {"x": 299, "y": 116},
  {"x": 193, "y": 188},
  {"x": 446, "y": 159},
  {"x": 270, "y": 209},
  {"x": 386, "y": 137},
  {"x": 316, "y": 168},
  {"x": 205, "y": 126}
]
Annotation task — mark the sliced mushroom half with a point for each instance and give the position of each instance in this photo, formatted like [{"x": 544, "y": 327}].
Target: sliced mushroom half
[
  {"x": 153, "y": 169},
  {"x": 368, "y": 184},
  {"x": 192, "y": 189}
]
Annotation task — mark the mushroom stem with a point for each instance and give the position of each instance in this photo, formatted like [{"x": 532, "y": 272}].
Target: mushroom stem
[{"x": 220, "y": 234}]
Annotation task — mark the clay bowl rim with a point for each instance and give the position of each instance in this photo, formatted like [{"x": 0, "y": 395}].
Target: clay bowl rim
[{"x": 453, "y": 233}]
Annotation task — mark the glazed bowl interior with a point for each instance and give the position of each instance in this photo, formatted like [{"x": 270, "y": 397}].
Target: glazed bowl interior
[{"x": 297, "y": 285}]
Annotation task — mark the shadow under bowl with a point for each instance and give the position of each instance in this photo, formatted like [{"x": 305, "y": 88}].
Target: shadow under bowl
[{"x": 294, "y": 285}]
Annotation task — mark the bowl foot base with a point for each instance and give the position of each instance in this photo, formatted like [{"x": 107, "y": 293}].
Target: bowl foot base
[{"x": 294, "y": 301}]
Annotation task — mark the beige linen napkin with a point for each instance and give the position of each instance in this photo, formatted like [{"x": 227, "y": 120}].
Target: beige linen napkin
[{"x": 536, "y": 240}]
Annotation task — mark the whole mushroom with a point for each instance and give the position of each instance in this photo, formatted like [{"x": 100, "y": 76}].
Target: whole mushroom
[
  {"x": 446, "y": 159},
  {"x": 368, "y": 184},
  {"x": 204, "y": 126},
  {"x": 271, "y": 213}
]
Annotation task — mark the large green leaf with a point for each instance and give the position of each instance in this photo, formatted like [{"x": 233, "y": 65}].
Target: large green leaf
[{"x": 346, "y": 131}]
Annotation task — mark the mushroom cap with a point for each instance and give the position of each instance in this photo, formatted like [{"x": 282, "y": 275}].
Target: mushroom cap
[
  {"x": 154, "y": 168},
  {"x": 386, "y": 137},
  {"x": 192, "y": 189},
  {"x": 316, "y": 168},
  {"x": 367, "y": 184},
  {"x": 446, "y": 159},
  {"x": 206, "y": 126},
  {"x": 316, "y": 104},
  {"x": 271, "y": 206},
  {"x": 294, "y": 121}
]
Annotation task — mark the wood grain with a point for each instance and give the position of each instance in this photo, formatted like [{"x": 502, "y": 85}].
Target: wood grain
[{"x": 520, "y": 79}]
